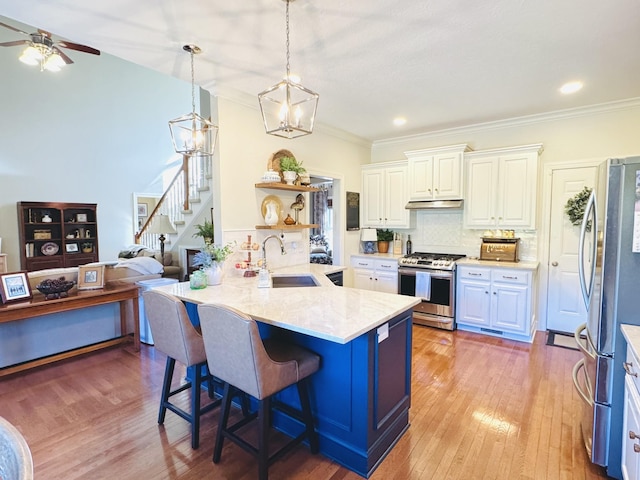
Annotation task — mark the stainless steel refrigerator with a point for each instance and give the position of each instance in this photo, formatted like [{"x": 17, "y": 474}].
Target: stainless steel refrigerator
[{"x": 609, "y": 265}]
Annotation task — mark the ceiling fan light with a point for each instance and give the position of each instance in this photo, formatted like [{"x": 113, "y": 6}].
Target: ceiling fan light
[
  {"x": 54, "y": 63},
  {"x": 31, "y": 55}
]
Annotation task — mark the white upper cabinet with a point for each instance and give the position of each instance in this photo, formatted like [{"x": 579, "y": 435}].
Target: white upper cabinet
[
  {"x": 501, "y": 188},
  {"x": 436, "y": 173},
  {"x": 384, "y": 195}
]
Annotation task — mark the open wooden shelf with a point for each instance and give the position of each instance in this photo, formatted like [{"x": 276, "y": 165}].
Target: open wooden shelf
[
  {"x": 284, "y": 186},
  {"x": 286, "y": 227}
]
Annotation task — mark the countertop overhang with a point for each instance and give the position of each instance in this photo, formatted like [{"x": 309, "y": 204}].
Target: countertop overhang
[
  {"x": 336, "y": 314},
  {"x": 474, "y": 262}
]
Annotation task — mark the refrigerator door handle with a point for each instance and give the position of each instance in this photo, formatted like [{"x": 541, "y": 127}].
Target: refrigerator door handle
[
  {"x": 587, "y": 290},
  {"x": 584, "y": 343},
  {"x": 576, "y": 370}
]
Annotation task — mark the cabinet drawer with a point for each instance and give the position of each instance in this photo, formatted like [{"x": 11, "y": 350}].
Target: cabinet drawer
[
  {"x": 632, "y": 367},
  {"x": 359, "y": 262},
  {"x": 474, "y": 273},
  {"x": 504, "y": 275},
  {"x": 386, "y": 265}
]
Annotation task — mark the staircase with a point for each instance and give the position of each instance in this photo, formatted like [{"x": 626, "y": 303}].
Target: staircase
[{"x": 185, "y": 191}]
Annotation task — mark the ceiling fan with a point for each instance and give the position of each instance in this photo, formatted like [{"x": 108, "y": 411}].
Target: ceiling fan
[{"x": 42, "y": 50}]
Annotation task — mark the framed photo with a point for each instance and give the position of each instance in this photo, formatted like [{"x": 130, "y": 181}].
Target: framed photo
[
  {"x": 90, "y": 276},
  {"x": 353, "y": 211},
  {"x": 142, "y": 210},
  {"x": 141, "y": 221},
  {"x": 14, "y": 287},
  {"x": 81, "y": 217},
  {"x": 71, "y": 248}
]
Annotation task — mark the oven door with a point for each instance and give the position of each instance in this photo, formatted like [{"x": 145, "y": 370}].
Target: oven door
[{"x": 440, "y": 304}]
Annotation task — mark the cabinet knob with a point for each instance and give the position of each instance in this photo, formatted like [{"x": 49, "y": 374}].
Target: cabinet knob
[
  {"x": 636, "y": 448},
  {"x": 437, "y": 190},
  {"x": 632, "y": 435},
  {"x": 486, "y": 292},
  {"x": 494, "y": 293},
  {"x": 554, "y": 264},
  {"x": 628, "y": 368}
]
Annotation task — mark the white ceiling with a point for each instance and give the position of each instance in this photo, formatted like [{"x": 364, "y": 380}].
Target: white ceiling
[{"x": 439, "y": 63}]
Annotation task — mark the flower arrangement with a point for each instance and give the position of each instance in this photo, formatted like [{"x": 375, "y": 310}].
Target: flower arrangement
[
  {"x": 211, "y": 253},
  {"x": 575, "y": 206}
]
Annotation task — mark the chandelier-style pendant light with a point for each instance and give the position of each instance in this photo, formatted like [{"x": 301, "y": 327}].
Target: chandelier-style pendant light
[
  {"x": 192, "y": 134},
  {"x": 288, "y": 108}
]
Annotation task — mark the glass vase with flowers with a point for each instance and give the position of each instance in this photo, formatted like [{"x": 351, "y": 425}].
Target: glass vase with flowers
[{"x": 210, "y": 259}]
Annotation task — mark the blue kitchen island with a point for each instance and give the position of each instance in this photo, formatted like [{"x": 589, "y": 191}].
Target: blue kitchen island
[{"x": 362, "y": 393}]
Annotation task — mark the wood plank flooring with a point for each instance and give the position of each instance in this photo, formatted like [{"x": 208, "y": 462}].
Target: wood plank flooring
[{"x": 482, "y": 408}]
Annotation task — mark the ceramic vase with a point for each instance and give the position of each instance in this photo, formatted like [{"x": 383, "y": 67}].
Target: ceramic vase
[
  {"x": 214, "y": 274},
  {"x": 271, "y": 215},
  {"x": 289, "y": 177}
]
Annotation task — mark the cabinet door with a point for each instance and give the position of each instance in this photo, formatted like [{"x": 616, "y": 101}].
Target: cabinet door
[
  {"x": 517, "y": 187},
  {"x": 447, "y": 177},
  {"x": 509, "y": 307},
  {"x": 363, "y": 279},
  {"x": 473, "y": 305},
  {"x": 631, "y": 425},
  {"x": 421, "y": 178},
  {"x": 395, "y": 192},
  {"x": 479, "y": 204},
  {"x": 386, "y": 282},
  {"x": 373, "y": 197}
]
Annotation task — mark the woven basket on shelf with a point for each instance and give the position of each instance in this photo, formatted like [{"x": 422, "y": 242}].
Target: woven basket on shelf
[{"x": 274, "y": 161}]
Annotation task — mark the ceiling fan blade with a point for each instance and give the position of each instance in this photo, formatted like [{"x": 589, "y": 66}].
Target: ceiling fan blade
[
  {"x": 13, "y": 28},
  {"x": 63, "y": 55},
  {"x": 78, "y": 47},
  {"x": 44, "y": 32},
  {"x": 14, "y": 43}
]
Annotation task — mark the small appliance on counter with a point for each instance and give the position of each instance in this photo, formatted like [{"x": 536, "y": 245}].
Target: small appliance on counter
[{"x": 500, "y": 249}]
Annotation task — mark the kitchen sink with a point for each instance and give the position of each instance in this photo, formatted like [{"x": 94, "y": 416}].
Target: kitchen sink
[{"x": 286, "y": 281}]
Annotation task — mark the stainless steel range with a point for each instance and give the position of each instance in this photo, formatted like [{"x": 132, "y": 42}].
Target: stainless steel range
[{"x": 430, "y": 276}]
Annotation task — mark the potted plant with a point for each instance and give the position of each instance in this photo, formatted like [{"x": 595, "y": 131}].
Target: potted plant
[
  {"x": 384, "y": 237},
  {"x": 210, "y": 259},
  {"x": 205, "y": 230},
  {"x": 291, "y": 168},
  {"x": 87, "y": 247}
]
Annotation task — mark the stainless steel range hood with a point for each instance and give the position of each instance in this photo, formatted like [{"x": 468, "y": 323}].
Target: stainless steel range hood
[{"x": 433, "y": 204}]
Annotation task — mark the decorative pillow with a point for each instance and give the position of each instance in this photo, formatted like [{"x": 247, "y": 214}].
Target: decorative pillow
[{"x": 318, "y": 249}]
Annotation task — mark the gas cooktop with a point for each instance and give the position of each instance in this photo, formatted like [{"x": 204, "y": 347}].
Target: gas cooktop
[{"x": 440, "y": 261}]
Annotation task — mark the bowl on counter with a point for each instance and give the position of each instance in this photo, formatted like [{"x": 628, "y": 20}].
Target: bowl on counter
[{"x": 55, "y": 288}]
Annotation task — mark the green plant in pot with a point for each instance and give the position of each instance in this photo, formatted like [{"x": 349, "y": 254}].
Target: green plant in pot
[
  {"x": 205, "y": 230},
  {"x": 385, "y": 236},
  {"x": 291, "y": 168}
]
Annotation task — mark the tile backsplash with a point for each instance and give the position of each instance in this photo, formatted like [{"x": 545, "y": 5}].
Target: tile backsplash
[{"x": 441, "y": 231}]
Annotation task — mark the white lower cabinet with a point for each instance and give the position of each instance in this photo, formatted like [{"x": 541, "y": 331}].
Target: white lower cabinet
[
  {"x": 496, "y": 301},
  {"x": 631, "y": 420},
  {"x": 380, "y": 275}
]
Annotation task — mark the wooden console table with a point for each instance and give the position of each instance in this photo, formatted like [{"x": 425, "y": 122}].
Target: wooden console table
[{"x": 37, "y": 306}]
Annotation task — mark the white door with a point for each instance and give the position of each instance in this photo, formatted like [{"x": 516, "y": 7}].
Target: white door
[{"x": 565, "y": 307}]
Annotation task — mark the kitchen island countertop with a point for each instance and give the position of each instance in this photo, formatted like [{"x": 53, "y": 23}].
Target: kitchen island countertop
[{"x": 337, "y": 314}]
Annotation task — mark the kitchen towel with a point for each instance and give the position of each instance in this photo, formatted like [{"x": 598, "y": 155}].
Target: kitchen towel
[{"x": 423, "y": 285}]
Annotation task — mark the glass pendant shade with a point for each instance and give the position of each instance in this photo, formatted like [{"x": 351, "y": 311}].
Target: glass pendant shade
[{"x": 288, "y": 109}]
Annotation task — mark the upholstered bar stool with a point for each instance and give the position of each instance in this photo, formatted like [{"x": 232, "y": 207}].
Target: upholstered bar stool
[
  {"x": 175, "y": 336},
  {"x": 16, "y": 462},
  {"x": 245, "y": 362}
]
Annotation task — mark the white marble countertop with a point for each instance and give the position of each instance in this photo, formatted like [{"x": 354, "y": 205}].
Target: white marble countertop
[
  {"x": 378, "y": 256},
  {"x": 337, "y": 314},
  {"x": 632, "y": 335},
  {"x": 474, "y": 262}
]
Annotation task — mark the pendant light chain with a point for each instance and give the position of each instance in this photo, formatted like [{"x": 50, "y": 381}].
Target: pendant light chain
[
  {"x": 193, "y": 88},
  {"x": 287, "y": 23}
]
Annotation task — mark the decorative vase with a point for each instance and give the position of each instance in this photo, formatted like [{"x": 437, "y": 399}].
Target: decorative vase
[
  {"x": 214, "y": 274},
  {"x": 289, "y": 177},
  {"x": 383, "y": 247},
  {"x": 271, "y": 215}
]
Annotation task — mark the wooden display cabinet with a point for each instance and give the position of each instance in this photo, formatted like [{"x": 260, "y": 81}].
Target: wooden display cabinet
[{"x": 54, "y": 235}]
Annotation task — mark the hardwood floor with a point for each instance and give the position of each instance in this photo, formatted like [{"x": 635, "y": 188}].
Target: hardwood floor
[{"x": 482, "y": 408}]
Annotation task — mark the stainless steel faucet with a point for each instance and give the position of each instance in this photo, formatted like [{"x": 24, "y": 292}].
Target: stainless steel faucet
[{"x": 264, "y": 250}]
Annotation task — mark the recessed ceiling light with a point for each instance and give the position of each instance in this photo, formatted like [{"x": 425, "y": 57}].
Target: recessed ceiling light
[
  {"x": 570, "y": 87},
  {"x": 399, "y": 121}
]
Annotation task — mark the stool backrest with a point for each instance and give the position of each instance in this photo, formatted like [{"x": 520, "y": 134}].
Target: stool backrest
[
  {"x": 172, "y": 330},
  {"x": 236, "y": 354}
]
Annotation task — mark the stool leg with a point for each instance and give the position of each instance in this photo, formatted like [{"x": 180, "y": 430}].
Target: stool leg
[
  {"x": 264, "y": 408},
  {"x": 166, "y": 388},
  {"x": 195, "y": 407},
  {"x": 303, "y": 392},
  {"x": 222, "y": 424}
]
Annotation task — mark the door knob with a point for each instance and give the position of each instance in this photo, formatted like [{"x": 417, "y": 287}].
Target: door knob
[{"x": 554, "y": 264}]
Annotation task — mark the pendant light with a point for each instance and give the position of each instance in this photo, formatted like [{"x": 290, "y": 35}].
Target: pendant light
[
  {"x": 192, "y": 134},
  {"x": 288, "y": 109}
]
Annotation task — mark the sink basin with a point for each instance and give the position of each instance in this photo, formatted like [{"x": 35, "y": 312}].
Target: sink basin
[{"x": 286, "y": 281}]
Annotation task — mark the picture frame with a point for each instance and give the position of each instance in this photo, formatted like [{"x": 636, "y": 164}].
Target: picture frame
[
  {"x": 81, "y": 217},
  {"x": 90, "y": 277},
  {"x": 14, "y": 287},
  {"x": 142, "y": 209},
  {"x": 71, "y": 248},
  {"x": 353, "y": 211}
]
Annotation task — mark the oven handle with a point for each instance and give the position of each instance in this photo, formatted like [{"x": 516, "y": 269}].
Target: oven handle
[{"x": 433, "y": 273}]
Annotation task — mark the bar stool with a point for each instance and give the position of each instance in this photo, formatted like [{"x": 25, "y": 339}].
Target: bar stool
[
  {"x": 15, "y": 456},
  {"x": 261, "y": 369},
  {"x": 175, "y": 336}
]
